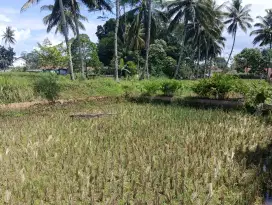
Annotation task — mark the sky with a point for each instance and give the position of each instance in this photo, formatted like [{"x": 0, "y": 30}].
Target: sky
[{"x": 29, "y": 28}]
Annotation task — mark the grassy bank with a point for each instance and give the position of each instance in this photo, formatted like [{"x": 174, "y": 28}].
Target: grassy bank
[
  {"x": 19, "y": 87},
  {"x": 145, "y": 154}
]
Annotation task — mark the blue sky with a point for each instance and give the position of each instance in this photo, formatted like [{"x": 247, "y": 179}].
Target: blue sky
[{"x": 29, "y": 28}]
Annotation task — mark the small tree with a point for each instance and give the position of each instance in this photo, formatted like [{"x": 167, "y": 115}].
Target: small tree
[
  {"x": 89, "y": 53},
  {"x": 52, "y": 56},
  {"x": 6, "y": 57}
]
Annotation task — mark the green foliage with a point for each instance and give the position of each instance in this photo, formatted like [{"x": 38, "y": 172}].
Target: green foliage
[
  {"x": 250, "y": 58},
  {"x": 47, "y": 86},
  {"x": 89, "y": 53},
  {"x": 169, "y": 87},
  {"x": 132, "y": 68},
  {"x": 258, "y": 92},
  {"x": 32, "y": 59},
  {"x": 151, "y": 87},
  {"x": 220, "y": 62},
  {"x": 52, "y": 56},
  {"x": 12, "y": 90},
  {"x": 160, "y": 63},
  {"x": 6, "y": 57},
  {"x": 218, "y": 86}
]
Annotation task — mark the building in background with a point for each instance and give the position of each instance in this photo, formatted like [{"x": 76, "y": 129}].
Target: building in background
[{"x": 19, "y": 63}]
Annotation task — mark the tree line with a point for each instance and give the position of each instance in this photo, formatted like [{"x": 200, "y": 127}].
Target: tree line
[{"x": 176, "y": 38}]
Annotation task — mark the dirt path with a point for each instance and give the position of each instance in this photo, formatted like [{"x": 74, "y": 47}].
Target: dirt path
[{"x": 24, "y": 105}]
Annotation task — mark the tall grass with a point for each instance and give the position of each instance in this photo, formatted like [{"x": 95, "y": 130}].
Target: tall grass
[
  {"x": 12, "y": 90},
  {"x": 19, "y": 87},
  {"x": 145, "y": 154}
]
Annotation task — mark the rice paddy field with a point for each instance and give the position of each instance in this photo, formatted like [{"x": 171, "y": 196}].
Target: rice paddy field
[{"x": 143, "y": 154}]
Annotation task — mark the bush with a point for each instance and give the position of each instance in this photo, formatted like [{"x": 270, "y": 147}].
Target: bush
[
  {"x": 47, "y": 87},
  {"x": 216, "y": 87},
  {"x": 169, "y": 87},
  {"x": 256, "y": 93},
  {"x": 132, "y": 67},
  {"x": 151, "y": 87}
]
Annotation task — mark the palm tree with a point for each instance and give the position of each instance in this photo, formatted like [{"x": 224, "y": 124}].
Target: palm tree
[
  {"x": 264, "y": 32},
  {"x": 148, "y": 38},
  {"x": 54, "y": 19},
  {"x": 237, "y": 16},
  {"x": 137, "y": 43},
  {"x": 187, "y": 11},
  {"x": 116, "y": 39},
  {"x": 142, "y": 15},
  {"x": 9, "y": 36},
  {"x": 64, "y": 26},
  {"x": 92, "y": 5}
]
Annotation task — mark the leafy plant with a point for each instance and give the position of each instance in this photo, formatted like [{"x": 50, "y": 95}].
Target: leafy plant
[
  {"x": 151, "y": 87},
  {"x": 258, "y": 92},
  {"x": 216, "y": 87},
  {"x": 47, "y": 86},
  {"x": 169, "y": 87}
]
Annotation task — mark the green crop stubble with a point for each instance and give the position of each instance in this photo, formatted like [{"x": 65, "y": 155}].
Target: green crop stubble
[{"x": 145, "y": 154}]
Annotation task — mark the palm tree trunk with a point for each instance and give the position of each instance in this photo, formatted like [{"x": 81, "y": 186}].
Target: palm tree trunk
[
  {"x": 205, "y": 67},
  {"x": 210, "y": 69},
  {"x": 179, "y": 62},
  {"x": 269, "y": 58},
  {"x": 231, "y": 48},
  {"x": 125, "y": 37},
  {"x": 198, "y": 60},
  {"x": 180, "y": 56},
  {"x": 78, "y": 39},
  {"x": 148, "y": 39},
  {"x": 67, "y": 40},
  {"x": 116, "y": 39}
]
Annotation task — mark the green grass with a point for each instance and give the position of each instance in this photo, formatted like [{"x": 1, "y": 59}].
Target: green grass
[
  {"x": 18, "y": 87},
  {"x": 145, "y": 154}
]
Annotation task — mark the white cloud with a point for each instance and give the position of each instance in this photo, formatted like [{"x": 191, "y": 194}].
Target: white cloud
[
  {"x": 4, "y": 18},
  {"x": 22, "y": 34},
  {"x": 53, "y": 38}
]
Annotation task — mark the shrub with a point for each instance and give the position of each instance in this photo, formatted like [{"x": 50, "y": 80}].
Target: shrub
[
  {"x": 256, "y": 93},
  {"x": 132, "y": 67},
  {"x": 216, "y": 87},
  {"x": 47, "y": 87},
  {"x": 169, "y": 87},
  {"x": 151, "y": 87}
]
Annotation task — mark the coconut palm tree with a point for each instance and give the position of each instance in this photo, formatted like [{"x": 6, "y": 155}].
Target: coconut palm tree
[
  {"x": 64, "y": 26},
  {"x": 187, "y": 11},
  {"x": 238, "y": 16},
  {"x": 263, "y": 32},
  {"x": 92, "y": 5},
  {"x": 54, "y": 19},
  {"x": 117, "y": 5},
  {"x": 144, "y": 14},
  {"x": 9, "y": 36},
  {"x": 147, "y": 46}
]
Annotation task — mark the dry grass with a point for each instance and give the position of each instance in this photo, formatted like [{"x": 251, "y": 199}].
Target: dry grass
[{"x": 145, "y": 154}]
